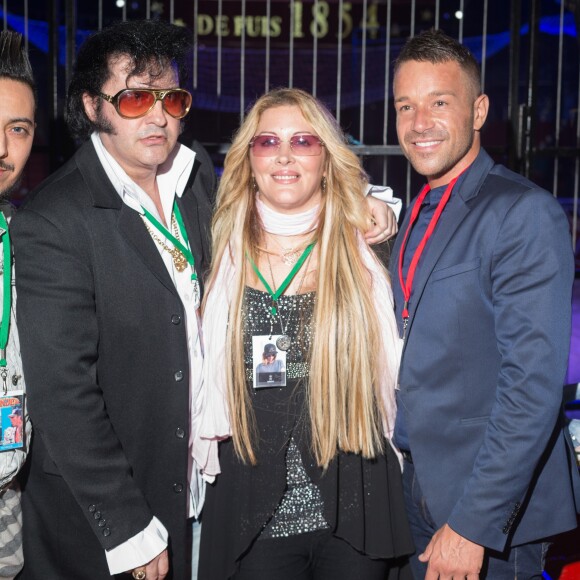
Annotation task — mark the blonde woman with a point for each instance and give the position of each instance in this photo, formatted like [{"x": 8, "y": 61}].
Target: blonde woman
[{"x": 309, "y": 486}]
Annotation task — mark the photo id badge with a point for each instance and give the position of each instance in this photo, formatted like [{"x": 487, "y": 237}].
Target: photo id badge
[
  {"x": 12, "y": 420},
  {"x": 268, "y": 362}
]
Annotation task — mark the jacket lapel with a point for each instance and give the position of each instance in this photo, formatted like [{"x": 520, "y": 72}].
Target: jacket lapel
[
  {"x": 450, "y": 220},
  {"x": 133, "y": 230},
  {"x": 130, "y": 223},
  {"x": 448, "y": 224},
  {"x": 192, "y": 218}
]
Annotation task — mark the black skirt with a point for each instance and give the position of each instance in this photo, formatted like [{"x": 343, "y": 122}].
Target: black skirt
[{"x": 363, "y": 499}]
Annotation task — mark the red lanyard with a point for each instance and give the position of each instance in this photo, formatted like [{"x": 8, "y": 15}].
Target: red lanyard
[{"x": 407, "y": 285}]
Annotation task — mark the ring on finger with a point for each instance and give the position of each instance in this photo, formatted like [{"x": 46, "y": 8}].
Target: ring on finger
[{"x": 139, "y": 574}]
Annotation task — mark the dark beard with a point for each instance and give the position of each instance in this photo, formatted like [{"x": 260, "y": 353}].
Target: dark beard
[{"x": 5, "y": 193}]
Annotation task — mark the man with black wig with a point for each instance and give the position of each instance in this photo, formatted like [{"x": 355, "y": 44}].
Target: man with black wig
[
  {"x": 111, "y": 248},
  {"x": 17, "y": 108}
]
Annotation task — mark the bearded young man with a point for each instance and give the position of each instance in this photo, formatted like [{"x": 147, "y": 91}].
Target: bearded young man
[{"x": 17, "y": 108}]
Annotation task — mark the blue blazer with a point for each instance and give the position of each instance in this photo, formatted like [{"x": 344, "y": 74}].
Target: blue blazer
[{"x": 484, "y": 362}]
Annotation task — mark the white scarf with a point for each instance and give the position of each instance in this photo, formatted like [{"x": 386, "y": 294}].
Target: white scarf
[
  {"x": 211, "y": 421},
  {"x": 284, "y": 224}
]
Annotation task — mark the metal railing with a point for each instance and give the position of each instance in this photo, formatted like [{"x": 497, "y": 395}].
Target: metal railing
[{"x": 342, "y": 51}]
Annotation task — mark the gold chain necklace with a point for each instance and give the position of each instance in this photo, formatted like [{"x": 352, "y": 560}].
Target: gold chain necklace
[
  {"x": 292, "y": 254},
  {"x": 179, "y": 260},
  {"x": 284, "y": 342}
]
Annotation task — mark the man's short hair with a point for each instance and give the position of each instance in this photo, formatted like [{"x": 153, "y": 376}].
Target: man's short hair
[
  {"x": 14, "y": 62},
  {"x": 436, "y": 47},
  {"x": 152, "y": 46}
]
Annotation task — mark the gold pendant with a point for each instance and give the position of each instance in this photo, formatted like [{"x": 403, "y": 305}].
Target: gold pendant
[
  {"x": 289, "y": 256},
  {"x": 179, "y": 260}
]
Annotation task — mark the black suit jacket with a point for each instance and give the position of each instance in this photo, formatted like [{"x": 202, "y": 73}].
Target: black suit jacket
[{"x": 105, "y": 354}]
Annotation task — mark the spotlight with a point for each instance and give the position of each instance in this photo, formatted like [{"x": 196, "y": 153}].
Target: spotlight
[{"x": 459, "y": 15}]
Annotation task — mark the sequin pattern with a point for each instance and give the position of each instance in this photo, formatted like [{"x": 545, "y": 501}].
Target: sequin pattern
[
  {"x": 301, "y": 508},
  {"x": 295, "y": 313}
]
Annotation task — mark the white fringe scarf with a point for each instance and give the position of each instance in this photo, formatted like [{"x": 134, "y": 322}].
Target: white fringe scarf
[{"x": 210, "y": 416}]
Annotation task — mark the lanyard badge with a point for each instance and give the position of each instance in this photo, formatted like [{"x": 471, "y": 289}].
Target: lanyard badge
[
  {"x": 181, "y": 253},
  {"x": 11, "y": 403},
  {"x": 407, "y": 284}
]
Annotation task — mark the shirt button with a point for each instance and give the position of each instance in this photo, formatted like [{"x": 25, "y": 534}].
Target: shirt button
[
  {"x": 180, "y": 433},
  {"x": 175, "y": 319},
  {"x": 97, "y": 515},
  {"x": 106, "y": 532},
  {"x": 102, "y": 523},
  {"x": 178, "y": 376},
  {"x": 92, "y": 508},
  {"x": 177, "y": 487}
]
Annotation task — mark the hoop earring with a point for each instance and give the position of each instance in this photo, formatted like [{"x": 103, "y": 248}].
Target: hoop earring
[{"x": 323, "y": 185}]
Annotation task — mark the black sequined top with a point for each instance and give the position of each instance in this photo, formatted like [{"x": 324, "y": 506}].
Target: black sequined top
[
  {"x": 286, "y": 492},
  {"x": 301, "y": 508}
]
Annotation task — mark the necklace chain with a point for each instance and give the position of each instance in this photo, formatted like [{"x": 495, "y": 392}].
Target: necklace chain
[
  {"x": 179, "y": 260},
  {"x": 284, "y": 327},
  {"x": 290, "y": 255}
]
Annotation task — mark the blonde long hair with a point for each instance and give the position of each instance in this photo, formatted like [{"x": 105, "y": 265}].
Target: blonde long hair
[{"x": 344, "y": 403}]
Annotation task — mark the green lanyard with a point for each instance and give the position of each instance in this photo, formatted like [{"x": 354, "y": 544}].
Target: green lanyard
[
  {"x": 7, "y": 288},
  {"x": 184, "y": 249},
  {"x": 287, "y": 280}
]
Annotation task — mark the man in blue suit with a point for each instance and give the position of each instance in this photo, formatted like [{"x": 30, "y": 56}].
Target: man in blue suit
[{"x": 482, "y": 275}]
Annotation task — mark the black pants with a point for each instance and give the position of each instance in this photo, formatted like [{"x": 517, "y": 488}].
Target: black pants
[{"x": 312, "y": 556}]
